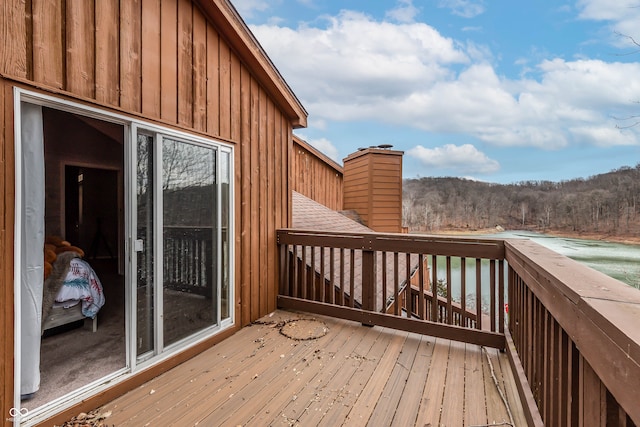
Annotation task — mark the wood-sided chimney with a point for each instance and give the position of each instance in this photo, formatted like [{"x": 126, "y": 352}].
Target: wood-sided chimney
[{"x": 373, "y": 187}]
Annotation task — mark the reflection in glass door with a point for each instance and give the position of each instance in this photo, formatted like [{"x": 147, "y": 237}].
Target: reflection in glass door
[
  {"x": 182, "y": 243},
  {"x": 190, "y": 248},
  {"x": 143, "y": 246}
]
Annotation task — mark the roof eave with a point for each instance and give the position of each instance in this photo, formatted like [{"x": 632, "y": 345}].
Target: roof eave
[{"x": 232, "y": 27}]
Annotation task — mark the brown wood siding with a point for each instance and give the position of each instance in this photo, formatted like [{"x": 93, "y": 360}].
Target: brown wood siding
[
  {"x": 316, "y": 176},
  {"x": 356, "y": 186},
  {"x": 107, "y": 57},
  {"x": 7, "y": 200},
  {"x": 162, "y": 61},
  {"x": 373, "y": 188},
  {"x": 174, "y": 68}
]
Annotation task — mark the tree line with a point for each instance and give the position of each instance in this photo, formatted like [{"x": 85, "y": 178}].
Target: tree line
[{"x": 605, "y": 203}]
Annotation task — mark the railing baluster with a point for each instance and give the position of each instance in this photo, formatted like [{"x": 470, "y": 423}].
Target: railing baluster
[
  {"x": 563, "y": 377},
  {"x": 283, "y": 253},
  {"x": 407, "y": 297},
  {"x": 322, "y": 278},
  {"x": 421, "y": 301},
  {"x": 501, "y": 296},
  {"x": 351, "y": 278},
  {"x": 463, "y": 291},
  {"x": 341, "y": 295},
  {"x": 396, "y": 285},
  {"x": 449, "y": 307},
  {"x": 555, "y": 373},
  {"x": 492, "y": 294},
  {"x": 296, "y": 273},
  {"x": 332, "y": 272},
  {"x": 478, "y": 293},
  {"x": 434, "y": 289},
  {"x": 313, "y": 291},
  {"x": 303, "y": 290},
  {"x": 384, "y": 281}
]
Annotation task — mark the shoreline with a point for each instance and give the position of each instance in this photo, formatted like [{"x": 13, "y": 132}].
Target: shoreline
[{"x": 604, "y": 237}]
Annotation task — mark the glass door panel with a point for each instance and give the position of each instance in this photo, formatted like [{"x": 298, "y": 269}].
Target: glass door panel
[
  {"x": 143, "y": 246},
  {"x": 190, "y": 241},
  {"x": 225, "y": 223}
]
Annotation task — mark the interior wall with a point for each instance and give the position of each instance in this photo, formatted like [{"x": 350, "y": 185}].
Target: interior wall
[{"x": 70, "y": 140}]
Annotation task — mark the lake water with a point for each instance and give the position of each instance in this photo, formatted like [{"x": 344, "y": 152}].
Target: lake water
[{"x": 617, "y": 260}]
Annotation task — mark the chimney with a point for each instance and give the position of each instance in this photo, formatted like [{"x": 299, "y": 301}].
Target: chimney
[{"x": 373, "y": 187}]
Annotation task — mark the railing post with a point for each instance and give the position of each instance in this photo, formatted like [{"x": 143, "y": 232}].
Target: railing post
[
  {"x": 284, "y": 270},
  {"x": 369, "y": 280}
]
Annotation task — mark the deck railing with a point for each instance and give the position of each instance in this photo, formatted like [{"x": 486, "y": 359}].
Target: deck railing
[
  {"x": 576, "y": 333},
  {"x": 393, "y": 279},
  {"x": 572, "y": 333}
]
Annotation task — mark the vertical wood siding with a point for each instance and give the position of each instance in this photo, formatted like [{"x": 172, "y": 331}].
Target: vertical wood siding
[
  {"x": 6, "y": 243},
  {"x": 356, "y": 186},
  {"x": 161, "y": 60},
  {"x": 373, "y": 188},
  {"x": 316, "y": 176}
]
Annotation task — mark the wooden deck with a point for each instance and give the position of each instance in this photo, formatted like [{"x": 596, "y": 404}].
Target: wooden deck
[{"x": 353, "y": 375}]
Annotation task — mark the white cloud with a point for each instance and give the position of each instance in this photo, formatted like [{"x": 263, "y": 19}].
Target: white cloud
[
  {"x": 597, "y": 135},
  {"x": 325, "y": 146},
  {"x": 622, "y": 15},
  {"x": 357, "y": 56},
  {"x": 247, "y": 7},
  {"x": 358, "y": 69},
  {"x": 404, "y": 12},
  {"x": 464, "y": 8},
  {"x": 463, "y": 158}
]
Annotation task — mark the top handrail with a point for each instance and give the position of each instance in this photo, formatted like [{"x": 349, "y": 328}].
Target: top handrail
[{"x": 397, "y": 242}]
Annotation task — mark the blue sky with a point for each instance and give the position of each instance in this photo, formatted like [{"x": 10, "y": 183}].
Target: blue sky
[{"x": 498, "y": 91}]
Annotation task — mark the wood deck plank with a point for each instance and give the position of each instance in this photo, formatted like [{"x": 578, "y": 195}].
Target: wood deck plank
[
  {"x": 136, "y": 404},
  {"x": 188, "y": 379},
  {"x": 475, "y": 408},
  {"x": 388, "y": 402},
  {"x": 431, "y": 404},
  {"x": 510, "y": 389},
  {"x": 292, "y": 383},
  {"x": 321, "y": 394},
  {"x": 408, "y": 406},
  {"x": 452, "y": 403},
  {"x": 240, "y": 385},
  {"x": 496, "y": 407},
  {"x": 365, "y": 363},
  {"x": 366, "y": 402},
  {"x": 354, "y": 375}
]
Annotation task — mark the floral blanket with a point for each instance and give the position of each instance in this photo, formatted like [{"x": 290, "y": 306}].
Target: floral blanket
[{"x": 82, "y": 284}]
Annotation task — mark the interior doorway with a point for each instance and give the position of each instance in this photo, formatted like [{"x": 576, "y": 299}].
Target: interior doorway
[{"x": 91, "y": 210}]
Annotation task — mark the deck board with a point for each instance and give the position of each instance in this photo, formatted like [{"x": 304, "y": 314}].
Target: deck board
[
  {"x": 452, "y": 413},
  {"x": 475, "y": 407},
  {"x": 408, "y": 406},
  {"x": 354, "y": 375},
  {"x": 314, "y": 400}
]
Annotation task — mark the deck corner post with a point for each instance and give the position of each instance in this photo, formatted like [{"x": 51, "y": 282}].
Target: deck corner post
[{"x": 369, "y": 281}]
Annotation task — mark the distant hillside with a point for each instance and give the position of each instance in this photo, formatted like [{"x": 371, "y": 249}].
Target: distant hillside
[{"x": 605, "y": 204}]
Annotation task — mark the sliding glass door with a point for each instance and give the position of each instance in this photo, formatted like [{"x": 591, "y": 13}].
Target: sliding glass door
[{"x": 182, "y": 245}]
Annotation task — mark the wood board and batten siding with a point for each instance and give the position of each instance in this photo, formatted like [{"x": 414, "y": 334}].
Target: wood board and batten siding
[
  {"x": 187, "y": 65},
  {"x": 315, "y": 175},
  {"x": 373, "y": 188}
]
